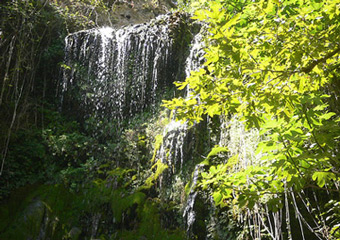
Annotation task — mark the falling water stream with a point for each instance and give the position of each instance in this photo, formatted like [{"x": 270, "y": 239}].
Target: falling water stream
[{"x": 114, "y": 74}]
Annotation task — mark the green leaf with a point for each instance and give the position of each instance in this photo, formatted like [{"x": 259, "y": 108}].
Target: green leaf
[
  {"x": 327, "y": 115},
  {"x": 217, "y": 197},
  {"x": 213, "y": 110},
  {"x": 216, "y": 150},
  {"x": 323, "y": 177}
]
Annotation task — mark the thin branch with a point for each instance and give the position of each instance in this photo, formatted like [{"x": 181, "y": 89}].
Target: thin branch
[
  {"x": 310, "y": 67},
  {"x": 321, "y": 188}
]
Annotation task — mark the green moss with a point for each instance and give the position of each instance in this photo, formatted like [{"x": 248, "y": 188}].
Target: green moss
[
  {"x": 150, "y": 225},
  {"x": 24, "y": 215},
  {"x": 158, "y": 144},
  {"x": 160, "y": 167},
  {"x": 187, "y": 188}
]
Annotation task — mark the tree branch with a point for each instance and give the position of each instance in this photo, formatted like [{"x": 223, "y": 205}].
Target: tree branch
[{"x": 310, "y": 67}]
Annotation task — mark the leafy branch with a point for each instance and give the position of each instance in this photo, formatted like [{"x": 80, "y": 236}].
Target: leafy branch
[{"x": 311, "y": 66}]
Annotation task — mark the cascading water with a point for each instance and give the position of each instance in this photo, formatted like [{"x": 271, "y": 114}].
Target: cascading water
[
  {"x": 112, "y": 75},
  {"x": 175, "y": 144},
  {"x": 196, "y": 58},
  {"x": 115, "y": 74},
  {"x": 189, "y": 212},
  {"x": 171, "y": 151}
]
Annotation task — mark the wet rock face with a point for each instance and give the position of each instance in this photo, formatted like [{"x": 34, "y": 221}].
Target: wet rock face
[{"x": 115, "y": 74}]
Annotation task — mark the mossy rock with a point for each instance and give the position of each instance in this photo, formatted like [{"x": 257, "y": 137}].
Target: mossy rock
[
  {"x": 149, "y": 226},
  {"x": 37, "y": 211},
  {"x": 53, "y": 212}
]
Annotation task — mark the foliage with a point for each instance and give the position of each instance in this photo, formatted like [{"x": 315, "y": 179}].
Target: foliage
[
  {"x": 159, "y": 169},
  {"x": 112, "y": 199},
  {"x": 267, "y": 63},
  {"x": 31, "y": 45},
  {"x": 98, "y": 173},
  {"x": 27, "y": 156},
  {"x": 28, "y": 27},
  {"x": 31, "y": 32}
]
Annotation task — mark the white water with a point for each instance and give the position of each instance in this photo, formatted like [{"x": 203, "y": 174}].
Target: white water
[{"x": 119, "y": 73}]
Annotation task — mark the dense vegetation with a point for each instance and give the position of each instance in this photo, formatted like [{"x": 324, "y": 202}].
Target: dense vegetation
[
  {"x": 274, "y": 66},
  {"x": 60, "y": 178},
  {"x": 269, "y": 85}
]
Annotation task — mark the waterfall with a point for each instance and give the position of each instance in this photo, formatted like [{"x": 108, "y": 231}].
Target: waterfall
[
  {"x": 175, "y": 134},
  {"x": 114, "y": 74},
  {"x": 189, "y": 213},
  {"x": 172, "y": 149},
  {"x": 196, "y": 58},
  {"x": 111, "y": 75},
  {"x": 177, "y": 145}
]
